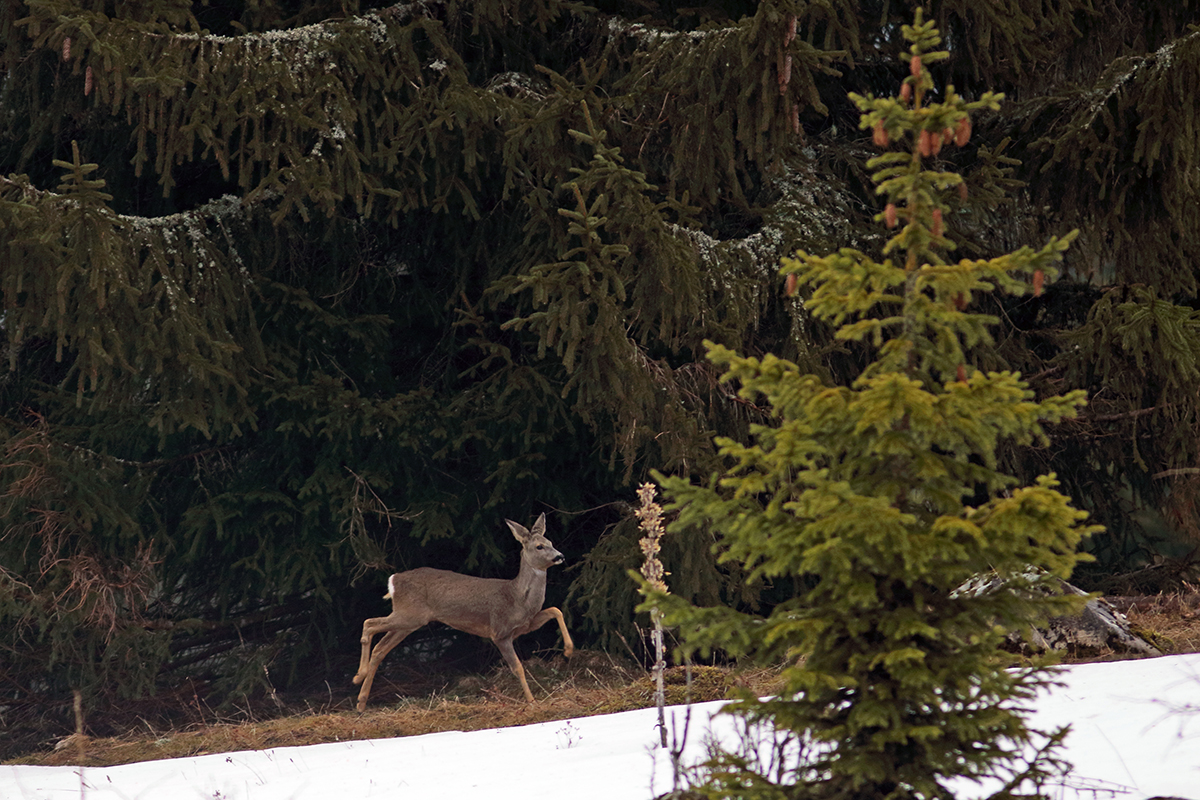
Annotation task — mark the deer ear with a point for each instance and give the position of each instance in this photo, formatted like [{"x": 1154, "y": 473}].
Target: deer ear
[
  {"x": 539, "y": 527},
  {"x": 519, "y": 530}
]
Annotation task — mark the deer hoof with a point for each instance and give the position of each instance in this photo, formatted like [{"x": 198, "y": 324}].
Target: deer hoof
[{"x": 357, "y": 680}]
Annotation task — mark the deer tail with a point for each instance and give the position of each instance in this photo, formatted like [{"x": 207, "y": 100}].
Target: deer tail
[{"x": 391, "y": 588}]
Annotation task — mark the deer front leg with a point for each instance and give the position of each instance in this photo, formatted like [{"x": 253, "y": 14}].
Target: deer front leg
[
  {"x": 514, "y": 663},
  {"x": 544, "y": 616}
]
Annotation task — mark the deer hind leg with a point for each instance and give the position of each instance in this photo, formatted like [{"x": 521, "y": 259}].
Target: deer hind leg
[
  {"x": 514, "y": 663},
  {"x": 384, "y": 646},
  {"x": 544, "y": 616},
  {"x": 371, "y": 627}
]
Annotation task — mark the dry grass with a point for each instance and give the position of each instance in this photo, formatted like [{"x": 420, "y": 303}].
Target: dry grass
[
  {"x": 1171, "y": 617},
  {"x": 590, "y": 683}
]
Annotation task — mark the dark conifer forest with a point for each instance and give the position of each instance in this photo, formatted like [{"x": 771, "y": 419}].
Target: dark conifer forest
[{"x": 296, "y": 294}]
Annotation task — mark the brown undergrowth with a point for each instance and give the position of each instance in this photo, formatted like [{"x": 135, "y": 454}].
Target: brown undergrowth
[
  {"x": 1173, "y": 618},
  {"x": 589, "y": 683},
  {"x": 406, "y": 703}
]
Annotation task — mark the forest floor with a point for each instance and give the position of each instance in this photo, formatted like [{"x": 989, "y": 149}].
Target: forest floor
[{"x": 408, "y": 701}]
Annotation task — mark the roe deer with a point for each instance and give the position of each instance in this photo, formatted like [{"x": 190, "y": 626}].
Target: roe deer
[{"x": 496, "y": 609}]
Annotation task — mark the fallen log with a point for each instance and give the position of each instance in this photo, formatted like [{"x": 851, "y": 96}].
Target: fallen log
[{"x": 1099, "y": 626}]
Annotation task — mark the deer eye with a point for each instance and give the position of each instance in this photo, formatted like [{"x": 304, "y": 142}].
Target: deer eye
[{"x": 541, "y": 547}]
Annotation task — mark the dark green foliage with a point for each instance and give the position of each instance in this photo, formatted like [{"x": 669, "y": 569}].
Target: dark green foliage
[
  {"x": 295, "y": 292},
  {"x": 895, "y": 669},
  {"x": 134, "y": 301},
  {"x": 1126, "y": 141}
]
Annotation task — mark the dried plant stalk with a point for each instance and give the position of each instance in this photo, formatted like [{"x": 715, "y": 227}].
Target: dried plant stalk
[{"x": 649, "y": 516}]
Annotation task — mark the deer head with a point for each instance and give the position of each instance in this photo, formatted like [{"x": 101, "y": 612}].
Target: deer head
[{"x": 536, "y": 549}]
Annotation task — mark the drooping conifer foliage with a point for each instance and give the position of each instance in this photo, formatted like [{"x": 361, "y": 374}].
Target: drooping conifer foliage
[
  {"x": 295, "y": 292},
  {"x": 883, "y": 500}
]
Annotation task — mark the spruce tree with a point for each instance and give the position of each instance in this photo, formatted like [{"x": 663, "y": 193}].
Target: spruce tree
[
  {"x": 884, "y": 498},
  {"x": 298, "y": 292}
]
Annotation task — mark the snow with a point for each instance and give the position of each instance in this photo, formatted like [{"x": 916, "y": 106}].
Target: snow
[{"x": 1135, "y": 735}]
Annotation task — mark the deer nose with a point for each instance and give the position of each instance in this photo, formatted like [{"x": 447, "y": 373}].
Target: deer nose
[{"x": 558, "y": 558}]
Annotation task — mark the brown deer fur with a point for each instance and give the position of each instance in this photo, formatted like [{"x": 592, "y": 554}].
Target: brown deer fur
[{"x": 496, "y": 609}]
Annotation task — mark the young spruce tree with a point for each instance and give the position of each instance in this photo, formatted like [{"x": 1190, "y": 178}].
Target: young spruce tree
[{"x": 883, "y": 498}]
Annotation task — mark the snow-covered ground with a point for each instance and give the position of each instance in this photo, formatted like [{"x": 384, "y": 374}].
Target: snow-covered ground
[{"x": 1135, "y": 734}]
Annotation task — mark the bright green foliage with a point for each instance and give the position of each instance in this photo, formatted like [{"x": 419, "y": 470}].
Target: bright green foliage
[
  {"x": 882, "y": 499},
  {"x": 297, "y": 292}
]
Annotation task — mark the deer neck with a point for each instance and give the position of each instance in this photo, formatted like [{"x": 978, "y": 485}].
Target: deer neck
[{"x": 530, "y": 584}]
